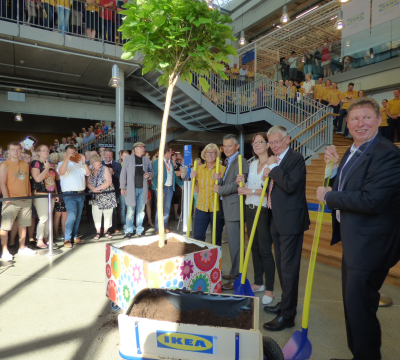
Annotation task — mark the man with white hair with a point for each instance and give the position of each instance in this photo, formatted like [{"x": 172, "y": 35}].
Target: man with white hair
[{"x": 288, "y": 214}]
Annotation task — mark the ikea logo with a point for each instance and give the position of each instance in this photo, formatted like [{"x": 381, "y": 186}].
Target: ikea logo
[
  {"x": 355, "y": 19},
  {"x": 185, "y": 342},
  {"x": 388, "y": 4}
]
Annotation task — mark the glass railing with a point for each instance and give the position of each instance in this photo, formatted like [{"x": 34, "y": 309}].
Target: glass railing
[
  {"x": 78, "y": 18},
  {"x": 260, "y": 94}
]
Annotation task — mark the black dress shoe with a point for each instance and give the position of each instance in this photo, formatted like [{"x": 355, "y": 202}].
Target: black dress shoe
[
  {"x": 278, "y": 324},
  {"x": 274, "y": 310},
  {"x": 128, "y": 236}
]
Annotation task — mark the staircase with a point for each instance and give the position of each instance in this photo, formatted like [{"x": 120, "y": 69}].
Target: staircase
[{"x": 327, "y": 254}]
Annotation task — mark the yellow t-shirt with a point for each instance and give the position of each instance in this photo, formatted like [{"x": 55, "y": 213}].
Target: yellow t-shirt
[
  {"x": 318, "y": 89},
  {"x": 234, "y": 73},
  {"x": 280, "y": 92},
  {"x": 349, "y": 96},
  {"x": 92, "y": 6},
  {"x": 384, "y": 117},
  {"x": 205, "y": 201},
  {"x": 324, "y": 93},
  {"x": 292, "y": 92},
  {"x": 51, "y": 2},
  {"x": 64, "y": 3},
  {"x": 334, "y": 96},
  {"x": 393, "y": 107}
]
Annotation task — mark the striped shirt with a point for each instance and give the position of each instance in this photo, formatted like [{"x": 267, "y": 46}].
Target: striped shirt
[
  {"x": 204, "y": 181},
  {"x": 74, "y": 178}
]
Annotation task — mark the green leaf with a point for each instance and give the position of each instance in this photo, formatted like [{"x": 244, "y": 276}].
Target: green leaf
[
  {"x": 159, "y": 20},
  {"x": 231, "y": 49},
  {"x": 127, "y": 55},
  {"x": 187, "y": 28},
  {"x": 163, "y": 65},
  {"x": 204, "y": 84},
  {"x": 204, "y": 21},
  {"x": 197, "y": 22},
  {"x": 163, "y": 80}
]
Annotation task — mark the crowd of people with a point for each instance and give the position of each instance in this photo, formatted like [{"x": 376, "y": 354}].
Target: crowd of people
[{"x": 94, "y": 19}]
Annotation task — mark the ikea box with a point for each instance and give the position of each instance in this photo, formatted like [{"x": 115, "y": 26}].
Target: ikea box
[
  {"x": 142, "y": 338},
  {"x": 126, "y": 274}
]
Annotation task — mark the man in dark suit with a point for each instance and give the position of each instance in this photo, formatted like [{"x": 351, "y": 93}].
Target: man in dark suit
[
  {"x": 115, "y": 168},
  {"x": 365, "y": 199},
  {"x": 227, "y": 188},
  {"x": 288, "y": 220}
]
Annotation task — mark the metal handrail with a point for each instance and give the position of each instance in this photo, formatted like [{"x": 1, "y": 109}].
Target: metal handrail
[{"x": 312, "y": 125}]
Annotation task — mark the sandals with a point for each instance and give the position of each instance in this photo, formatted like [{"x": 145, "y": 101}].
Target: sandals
[
  {"x": 108, "y": 235},
  {"x": 97, "y": 237}
]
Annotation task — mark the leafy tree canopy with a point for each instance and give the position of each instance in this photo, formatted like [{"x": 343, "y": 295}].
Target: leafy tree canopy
[{"x": 176, "y": 37}]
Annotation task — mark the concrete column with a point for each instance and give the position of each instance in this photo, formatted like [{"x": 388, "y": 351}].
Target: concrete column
[{"x": 120, "y": 114}]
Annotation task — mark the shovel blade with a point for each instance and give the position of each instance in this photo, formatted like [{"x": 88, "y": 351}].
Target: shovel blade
[
  {"x": 242, "y": 289},
  {"x": 298, "y": 347}
]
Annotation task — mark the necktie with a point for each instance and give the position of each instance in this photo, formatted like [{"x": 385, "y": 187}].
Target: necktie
[{"x": 271, "y": 184}]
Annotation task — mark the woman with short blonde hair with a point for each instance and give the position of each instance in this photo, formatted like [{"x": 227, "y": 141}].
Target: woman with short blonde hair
[{"x": 205, "y": 202}]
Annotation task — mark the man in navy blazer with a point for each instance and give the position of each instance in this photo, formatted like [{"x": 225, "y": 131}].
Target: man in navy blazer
[
  {"x": 365, "y": 203},
  {"x": 115, "y": 168}
]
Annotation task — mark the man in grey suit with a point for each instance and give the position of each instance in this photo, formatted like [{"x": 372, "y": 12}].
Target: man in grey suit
[
  {"x": 136, "y": 172},
  {"x": 228, "y": 191}
]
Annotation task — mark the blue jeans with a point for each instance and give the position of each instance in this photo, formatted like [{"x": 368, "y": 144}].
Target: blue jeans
[
  {"x": 139, "y": 214},
  {"x": 74, "y": 205},
  {"x": 201, "y": 221},
  {"x": 122, "y": 205},
  {"x": 63, "y": 18},
  {"x": 168, "y": 192}
]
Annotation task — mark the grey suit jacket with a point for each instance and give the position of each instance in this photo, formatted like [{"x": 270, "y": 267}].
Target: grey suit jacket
[
  {"x": 127, "y": 179},
  {"x": 229, "y": 190}
]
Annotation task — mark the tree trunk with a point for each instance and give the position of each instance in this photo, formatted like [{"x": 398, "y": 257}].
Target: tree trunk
[{"x": 160, "y": 183}]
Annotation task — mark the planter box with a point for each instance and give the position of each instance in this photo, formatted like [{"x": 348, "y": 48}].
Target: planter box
[
  {"x": 142, "y": 338},
  {"x": 126, "y": 275}
]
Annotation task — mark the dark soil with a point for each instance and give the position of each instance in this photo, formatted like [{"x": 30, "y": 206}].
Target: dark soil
[
  {"x": 153, "y": 252},
  {"x": 157, "y": 307}
]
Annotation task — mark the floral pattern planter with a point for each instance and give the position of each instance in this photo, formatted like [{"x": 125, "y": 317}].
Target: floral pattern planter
[{"x": 126, "y": 275}]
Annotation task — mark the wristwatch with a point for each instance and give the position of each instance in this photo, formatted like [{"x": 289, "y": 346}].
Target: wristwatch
[{"x": 253, "y": 191}]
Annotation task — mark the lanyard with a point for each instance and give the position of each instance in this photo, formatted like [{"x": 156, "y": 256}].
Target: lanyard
[{"x": 168, "y": 166}]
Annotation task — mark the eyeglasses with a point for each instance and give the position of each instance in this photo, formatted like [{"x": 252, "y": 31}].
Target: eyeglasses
[
  {"x": 276, "y": 142},
  {"x": 211, "y": 153},
  {"x": 256, "y": 143}
]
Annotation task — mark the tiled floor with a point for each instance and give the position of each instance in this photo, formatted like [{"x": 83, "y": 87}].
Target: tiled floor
[{"x": 56, "y": 308}]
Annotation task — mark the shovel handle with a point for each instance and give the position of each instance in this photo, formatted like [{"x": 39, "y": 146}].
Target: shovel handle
[
  {"x": 253, "y": 231},
  {"x": 189, "y": 224},
  {"x": 314, "y": 250},
  {"x": 214, "y": 229},
  {"x": 241, "y": 218}
]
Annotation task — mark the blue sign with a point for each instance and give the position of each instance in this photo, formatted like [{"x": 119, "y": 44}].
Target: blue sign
[
  {"x": 247, "y": 57},
  {"x": 187, "y": 155},
  {"x": 186, "y": 342}
]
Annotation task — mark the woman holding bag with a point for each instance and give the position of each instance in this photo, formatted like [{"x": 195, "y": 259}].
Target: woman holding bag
[
  {"x": 263, "y": 260},
  {"x": 43, "y": 181}
]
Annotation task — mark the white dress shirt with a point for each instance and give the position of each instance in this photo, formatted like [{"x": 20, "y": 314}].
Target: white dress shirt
[
  {"x": 169, "y": 172},
  {"x": 281, "y": 157},
  {"x": 254, "y": 181},
  {"x": 74, "y": 177}
]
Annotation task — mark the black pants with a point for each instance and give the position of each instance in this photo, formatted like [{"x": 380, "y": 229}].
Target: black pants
[
  {"x": 336, "y": 110},
  {"x": 393, "y": 125},
  {"x": 361, "y": 300},
  {"x": 263, "y": 260},
  {"x": 342, "y": 115},
  {"x": 287, "y": 256}
]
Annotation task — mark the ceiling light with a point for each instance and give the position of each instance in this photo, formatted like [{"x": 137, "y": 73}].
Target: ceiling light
[
  {"x": 242, "y": 40},
  {"x": 278, "y": 26},
  {"x": 285, "y": 15},
  {"x": 306, "y": 12},
  {"x": 343, "y": 1},
  {"x": 335, "y": 17},
  {"x": 339, "y": 23},
  {"x": 18, "y": 117},
  {"x": 114, "y": 81}
]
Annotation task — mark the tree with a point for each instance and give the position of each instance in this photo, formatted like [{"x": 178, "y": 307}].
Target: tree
[{"x": 178, "y": 38}]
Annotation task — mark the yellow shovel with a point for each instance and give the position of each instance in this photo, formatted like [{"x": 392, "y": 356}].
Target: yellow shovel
[
  {"x": 191, "y": 203},
  {"x": 214, "y": 229}
]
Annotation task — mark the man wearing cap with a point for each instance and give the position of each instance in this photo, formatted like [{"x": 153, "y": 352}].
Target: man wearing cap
[{"x": 136, "y": 171}]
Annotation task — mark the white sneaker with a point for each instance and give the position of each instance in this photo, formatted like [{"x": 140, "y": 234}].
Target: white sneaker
[
  {"x": 267, "y": 300},
  {"x": 26, "y": 251},
  {"x": 7, "y": 256}
]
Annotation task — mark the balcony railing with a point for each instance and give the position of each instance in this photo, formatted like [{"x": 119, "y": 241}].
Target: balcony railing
[{"x": 83, "y": 19}]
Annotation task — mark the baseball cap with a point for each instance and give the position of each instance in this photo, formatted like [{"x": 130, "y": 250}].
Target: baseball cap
[{"x": 138, "y": 143}]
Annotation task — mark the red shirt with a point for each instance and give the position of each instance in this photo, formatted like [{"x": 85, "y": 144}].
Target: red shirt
[
  {"x": 98, "y": 132},
  {"x": 108, "y": 15}
]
